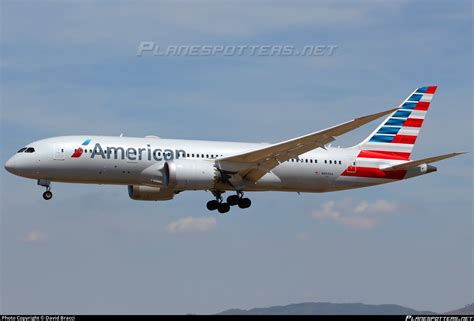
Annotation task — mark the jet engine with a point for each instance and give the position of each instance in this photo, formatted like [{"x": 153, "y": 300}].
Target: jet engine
[
  {"x": 148, "y": 193},
  {"x": 191, "y": 174}
]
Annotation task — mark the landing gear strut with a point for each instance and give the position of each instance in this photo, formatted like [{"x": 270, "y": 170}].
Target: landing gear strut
[
  {"x": 46, "y": 195},
  {"x": 223, "y": 207}
]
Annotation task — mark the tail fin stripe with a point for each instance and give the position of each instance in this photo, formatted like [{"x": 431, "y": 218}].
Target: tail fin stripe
[
  {"x": 389, "y": 130},
  {"x": 426, "y": 98},
  {"x": 418, "y": 114},
  {"x": 395, "y": 122},
  {"x": 402, "y": 114},
  {"x": 427, "y": 90},
  {"x": 411, "y": 131},
  {"x": 422, "y": 90},
  {"x": 404, "y": 139},
  {"x": 381, "y": 154},
  {"x": 382, "y": 138},
  {"x": 404, "y": 148},
  {"x": 413, "y": 122},
  {"x": 422, "y": 105},
  {"x": 408, "y": 105},
  {"x": 415, "y": 97},
  {"x": 399, "y": 131}
]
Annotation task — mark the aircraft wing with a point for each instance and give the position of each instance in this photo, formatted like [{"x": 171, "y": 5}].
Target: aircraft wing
[
  {"x": 255, "y": 164},
  {"x": 411, "y": 164}
]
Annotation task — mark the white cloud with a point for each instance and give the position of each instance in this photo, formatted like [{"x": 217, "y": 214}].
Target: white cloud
[
  {"x": 35, "y": 237},
  {"x": 192, "y": 224},
  {"x": 359, "y": 215}
]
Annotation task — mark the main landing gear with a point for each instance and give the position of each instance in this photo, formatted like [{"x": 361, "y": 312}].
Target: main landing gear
[
  {"x": 223, "y": 207},
  {"x": 46, "y": 195}
]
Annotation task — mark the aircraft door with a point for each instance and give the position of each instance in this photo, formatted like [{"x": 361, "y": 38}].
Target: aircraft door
[{"x": 59, "y": 153}]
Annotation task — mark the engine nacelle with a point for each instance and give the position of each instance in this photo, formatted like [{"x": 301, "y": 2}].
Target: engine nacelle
[
  {"x": 181, "y": 174},
  {"x": 148, "y": 193}
]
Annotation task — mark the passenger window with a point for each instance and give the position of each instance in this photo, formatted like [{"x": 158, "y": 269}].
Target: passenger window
[
  {"x": 21, "y": 150},
  {"x": 325, "y": 161},
  {"x": 207, "y": 155},
  {"x": 315, "y": 160},
  {"x": 30, "y": 150},
  {"x": 339, "y": 162}
]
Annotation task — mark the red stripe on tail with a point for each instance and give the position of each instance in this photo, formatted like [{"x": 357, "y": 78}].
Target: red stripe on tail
[
  {"x": 404, "y": 139},
  {"x": 375, "y": 173},
  {"x": 380, "y": 154},
  {"x": 431, "y": 90},
  {"x": 413, "y": 122},
  {"x": 422, "y": 105}
]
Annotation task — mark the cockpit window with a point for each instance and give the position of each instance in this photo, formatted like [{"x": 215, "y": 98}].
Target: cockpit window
[
  {"x": 30, "y": 150},
  {"x": 21, "y": 150}
]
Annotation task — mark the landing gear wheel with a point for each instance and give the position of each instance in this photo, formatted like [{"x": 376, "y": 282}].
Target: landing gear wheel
[
  {"x": 212, "y": 205},
  {"x": 47, "y": 195},
  {"x": 233, "y": 200},
  {"x": 223, "y": 208},
  {"x": 244, "y": 202}
]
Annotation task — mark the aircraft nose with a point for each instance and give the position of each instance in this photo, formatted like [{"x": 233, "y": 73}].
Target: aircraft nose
[{"x": 11, "y": 165}]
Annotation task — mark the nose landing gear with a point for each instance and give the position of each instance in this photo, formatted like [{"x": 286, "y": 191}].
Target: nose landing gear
[{"x": 48, "y": 194}]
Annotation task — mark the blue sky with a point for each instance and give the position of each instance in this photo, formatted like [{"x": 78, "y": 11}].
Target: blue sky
[{"x": 71, "y": 68}]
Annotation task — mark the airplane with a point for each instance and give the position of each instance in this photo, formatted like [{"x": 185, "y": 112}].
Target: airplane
[{"x": 157, "y": 169}]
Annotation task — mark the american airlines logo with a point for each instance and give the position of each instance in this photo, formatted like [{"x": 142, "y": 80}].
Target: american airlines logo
[
  {"x": 130, "y": 153},
  {"x": 78, "y": 152}
]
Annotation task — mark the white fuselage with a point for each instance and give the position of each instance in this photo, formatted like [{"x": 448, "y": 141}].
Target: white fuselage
[{"x": 136, "y": 161}]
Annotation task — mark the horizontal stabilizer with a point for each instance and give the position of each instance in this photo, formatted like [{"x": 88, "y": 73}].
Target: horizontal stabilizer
[{"x": 415, "y": 163}]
